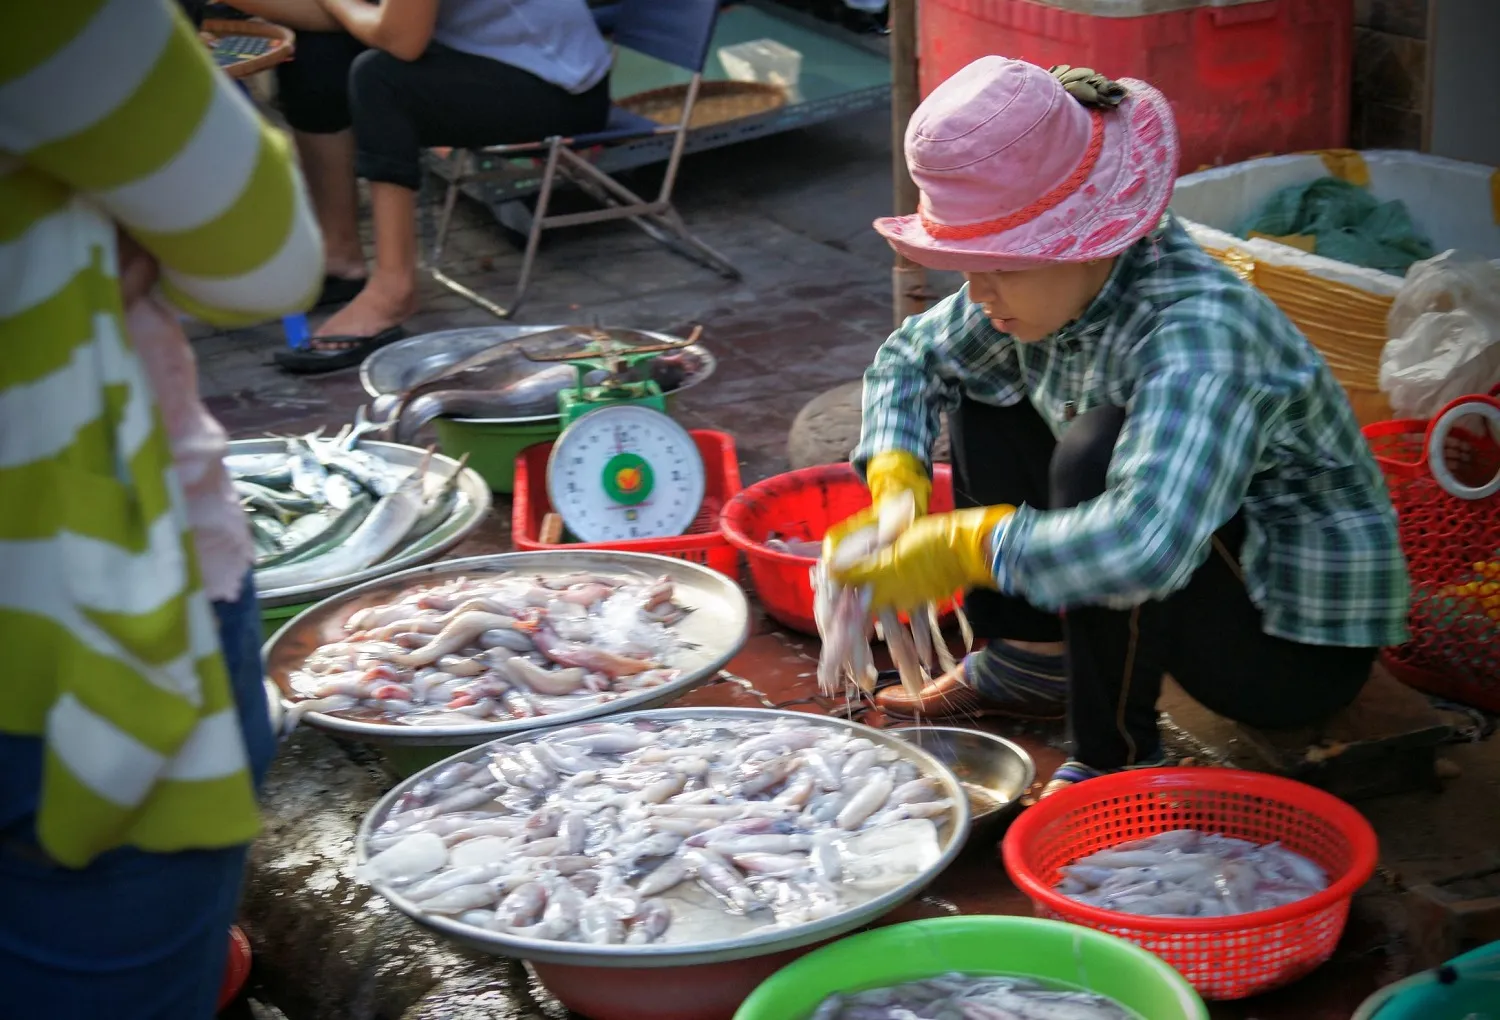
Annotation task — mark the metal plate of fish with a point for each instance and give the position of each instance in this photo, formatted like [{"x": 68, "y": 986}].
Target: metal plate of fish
[
  {"x": 464, "y": 519},
  {"x": 951, "y": 838},
  {"x": 714, "y": 632},
  {"x": 399, "y": 367}
]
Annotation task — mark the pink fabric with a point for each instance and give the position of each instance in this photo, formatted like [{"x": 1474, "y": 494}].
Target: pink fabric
[
  {"x": 198, "y": 443},
  {"x": 1001, "y": 135}
]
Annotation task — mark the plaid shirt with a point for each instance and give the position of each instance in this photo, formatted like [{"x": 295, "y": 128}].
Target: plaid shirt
[{"x": 1229, "y": 409}]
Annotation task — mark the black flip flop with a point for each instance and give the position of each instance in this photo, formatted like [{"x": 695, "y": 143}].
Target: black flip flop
[
  {"x": 340, "y": 290},
  {"x": 343, "y": 352}
]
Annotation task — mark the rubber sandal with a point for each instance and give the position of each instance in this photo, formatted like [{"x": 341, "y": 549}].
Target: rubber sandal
[
  {"x": 340, "y": 290},
  {"x": 351, "y": 350}
]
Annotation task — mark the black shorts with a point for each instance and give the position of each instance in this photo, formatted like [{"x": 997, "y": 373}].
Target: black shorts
[{"x": 443, "y": 98}]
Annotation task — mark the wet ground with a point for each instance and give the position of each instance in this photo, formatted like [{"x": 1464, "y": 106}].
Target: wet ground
[{"x": 793, "y": 212}]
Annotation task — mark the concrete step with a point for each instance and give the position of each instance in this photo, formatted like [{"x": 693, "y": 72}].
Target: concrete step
[{"x": 1385, "y": 742}]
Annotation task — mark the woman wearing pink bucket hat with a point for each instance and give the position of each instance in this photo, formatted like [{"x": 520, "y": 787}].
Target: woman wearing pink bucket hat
[{"x": 1155, "y": 471}]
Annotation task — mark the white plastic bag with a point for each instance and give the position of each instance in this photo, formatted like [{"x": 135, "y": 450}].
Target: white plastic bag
[{"x": 1445, "y": 334}]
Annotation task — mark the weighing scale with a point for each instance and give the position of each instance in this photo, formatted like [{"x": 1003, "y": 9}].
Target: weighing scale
[{"x": 621, "y": 469}]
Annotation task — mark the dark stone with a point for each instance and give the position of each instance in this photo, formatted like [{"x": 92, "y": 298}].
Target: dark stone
[
  {"x": 327, "y": 946},
  {"x": 826, "y": 430}
]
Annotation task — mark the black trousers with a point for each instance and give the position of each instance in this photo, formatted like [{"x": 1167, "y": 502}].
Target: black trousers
[
  {"x": 443, "y": 98},
  {"x": 1207, "y": 635}
]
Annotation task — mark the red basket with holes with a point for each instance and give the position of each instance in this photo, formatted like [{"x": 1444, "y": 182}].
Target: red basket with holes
[
  {"x": 703, "y": 542},
  {"x": 1444, "y": 479},
  {"x": 1222, "y": 957}
]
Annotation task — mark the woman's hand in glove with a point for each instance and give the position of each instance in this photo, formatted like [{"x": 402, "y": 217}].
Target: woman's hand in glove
[
  {"x": 888, "y": 474},
  {"x": 934, "y": 559}
]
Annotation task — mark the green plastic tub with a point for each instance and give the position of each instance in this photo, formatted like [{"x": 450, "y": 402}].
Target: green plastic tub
[
  {"x": 273, "y": 618},
  {"x": 1024, "y": 946},
  {"x": 493, "y": 446}
]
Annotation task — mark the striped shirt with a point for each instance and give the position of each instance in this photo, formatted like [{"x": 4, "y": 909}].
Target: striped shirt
[
  {"x": 1229, "y": 409},
  {"x": 111, "y": 112}
]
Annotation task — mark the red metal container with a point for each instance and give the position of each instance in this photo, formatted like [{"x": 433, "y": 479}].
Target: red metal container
[
  {"x": 802, "y": 505},
  {"x": 703, "y": 543},
  {"x": 1244, "y": 77}
]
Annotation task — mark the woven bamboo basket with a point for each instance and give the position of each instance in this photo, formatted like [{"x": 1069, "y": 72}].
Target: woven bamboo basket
[
  {"x": 1346, "y": 324},
  {"x": 719, "y": 102},
  {"x": 282, "y": 43}
]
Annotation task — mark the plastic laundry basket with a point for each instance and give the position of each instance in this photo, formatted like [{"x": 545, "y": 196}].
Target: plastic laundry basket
[{"x": 1444, "y": 478}]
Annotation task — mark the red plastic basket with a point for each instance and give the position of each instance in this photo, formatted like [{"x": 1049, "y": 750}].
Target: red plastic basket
[
  {"x": 801, "y": 505},
  {"x": 236, "y": 968},
  {"x": 1445, "y": 483},
  {"x": 703, "y": 543},
  {"x": 1222, "y": 957}
]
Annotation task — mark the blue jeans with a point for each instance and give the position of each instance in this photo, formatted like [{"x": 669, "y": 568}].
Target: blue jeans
[{"x": 135, "y": 935}]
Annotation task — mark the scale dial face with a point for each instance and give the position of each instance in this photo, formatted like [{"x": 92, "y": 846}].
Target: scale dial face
[{"x": 625, "y": 472}]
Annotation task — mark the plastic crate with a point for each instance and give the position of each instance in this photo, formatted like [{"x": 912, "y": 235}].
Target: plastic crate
[
  {"x": 1244, "y": 77},
  {"x": 703, "y": 543}
]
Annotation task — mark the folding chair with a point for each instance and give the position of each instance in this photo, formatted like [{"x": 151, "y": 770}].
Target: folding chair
[{"x": 674, "y": 31}]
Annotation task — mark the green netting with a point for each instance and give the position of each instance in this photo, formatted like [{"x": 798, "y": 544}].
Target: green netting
[{"x": 1346, "y": 222}]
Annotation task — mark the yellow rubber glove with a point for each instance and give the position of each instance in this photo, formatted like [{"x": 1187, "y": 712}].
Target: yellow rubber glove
[
  {"x": 937, "y": 557},
  {"x": 887, "y": 474}
]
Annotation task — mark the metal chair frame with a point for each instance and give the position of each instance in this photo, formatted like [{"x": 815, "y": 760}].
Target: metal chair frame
[{"x": 657, "y": 217}]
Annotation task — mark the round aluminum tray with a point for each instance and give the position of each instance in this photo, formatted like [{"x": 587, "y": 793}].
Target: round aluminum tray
[
  {"x": 716, "y": 630},
  {"x": 454, "y": 530},
  {"x": 951, "y": 835},
  {"x": 396, "y": 368}
]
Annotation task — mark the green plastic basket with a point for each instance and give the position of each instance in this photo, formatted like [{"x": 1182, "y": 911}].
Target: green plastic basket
[
  {"x": 273, "y": 618},
  {"x": 983, "y": 944},
  {"x": 493, "y": 446}
]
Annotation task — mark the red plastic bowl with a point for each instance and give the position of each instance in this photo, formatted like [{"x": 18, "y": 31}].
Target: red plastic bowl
[
  {"x": 706, "y": 991},
  {"x": 801, "y": 505},
  {"x": 1222, "y": 957},
  {"x": 236, "y": 968}
]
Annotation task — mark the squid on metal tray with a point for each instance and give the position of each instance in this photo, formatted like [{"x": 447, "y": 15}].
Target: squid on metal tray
[{"x": 846, "y": 623}]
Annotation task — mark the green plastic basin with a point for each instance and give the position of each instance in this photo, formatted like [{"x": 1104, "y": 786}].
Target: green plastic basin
[
  {"x": 1024, "y": 946},
  {"x": 493, "y": 446},
  {"x": 272, "y": 618}
]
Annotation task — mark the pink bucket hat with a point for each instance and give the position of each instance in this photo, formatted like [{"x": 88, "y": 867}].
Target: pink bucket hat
[{"x": 1016, "y": 173}]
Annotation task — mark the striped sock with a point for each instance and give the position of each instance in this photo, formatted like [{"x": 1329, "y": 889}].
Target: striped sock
[{"x": 1003, "y": 672}]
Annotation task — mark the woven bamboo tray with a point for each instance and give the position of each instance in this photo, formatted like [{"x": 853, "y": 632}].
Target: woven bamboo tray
[
  {"x": 718, "y": 102},
  {"x": 282, "y": 43}
]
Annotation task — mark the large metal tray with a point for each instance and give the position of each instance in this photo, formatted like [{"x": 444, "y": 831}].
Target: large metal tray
[
  {"x": 453, "y": 531},
  {"x": 952, "y": 835},
  {"x": 396, "y": 368},
  {"x": 717, "y": 629}
]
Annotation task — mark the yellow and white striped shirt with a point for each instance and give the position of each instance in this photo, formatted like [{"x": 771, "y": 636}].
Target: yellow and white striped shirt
[{"x": 111, "y": 112}]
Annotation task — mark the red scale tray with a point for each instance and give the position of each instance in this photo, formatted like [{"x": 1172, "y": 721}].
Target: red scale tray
[{"x": 704, "y": 541}]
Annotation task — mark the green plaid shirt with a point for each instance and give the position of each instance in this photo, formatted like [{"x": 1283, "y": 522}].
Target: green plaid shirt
[{"x": 1229, "y": 408}]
